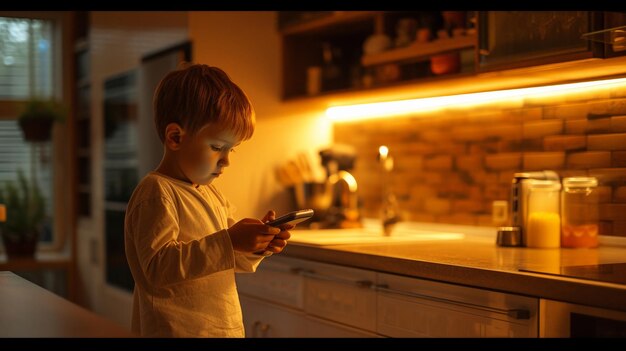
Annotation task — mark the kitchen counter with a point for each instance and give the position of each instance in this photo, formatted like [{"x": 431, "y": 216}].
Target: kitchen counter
[
  {"x": 476, "y": 261},
  {"x": 29, "y": 310}
]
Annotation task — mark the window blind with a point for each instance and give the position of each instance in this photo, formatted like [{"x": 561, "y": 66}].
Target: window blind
[{"x": 25, "y": 58}]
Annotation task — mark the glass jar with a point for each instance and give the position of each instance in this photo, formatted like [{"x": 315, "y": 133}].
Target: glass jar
[
  {"x": 543, "y": 225},
  {"x": 580, "y": 212}
]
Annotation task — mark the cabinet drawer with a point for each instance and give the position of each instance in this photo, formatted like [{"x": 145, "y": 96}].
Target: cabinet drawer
[
  {"x": 409, "y": 307},
  {"x": 265, "y": 320},
  {"x": 341, "y": 294},
  {"x": 277, "y": 280},
  {"x": 321, "y": 328},
  {"x": 413, "y": 317}
]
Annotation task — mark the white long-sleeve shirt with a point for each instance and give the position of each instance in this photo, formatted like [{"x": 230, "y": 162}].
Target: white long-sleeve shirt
[{"x": 182, "y": 260}]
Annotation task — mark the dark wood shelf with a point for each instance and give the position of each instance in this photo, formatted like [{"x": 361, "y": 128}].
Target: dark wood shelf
[
  {"x": 423, "y": 51},
  {"x": 306, "y": 45}
]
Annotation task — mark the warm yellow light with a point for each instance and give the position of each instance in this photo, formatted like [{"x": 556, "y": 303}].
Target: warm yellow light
[
  {"x": 383, "y": 151},
  {"x": 413, "y": 106}
]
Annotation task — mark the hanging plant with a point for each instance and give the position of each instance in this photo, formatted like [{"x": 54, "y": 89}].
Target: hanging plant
[{"x": 38, "y": 118}]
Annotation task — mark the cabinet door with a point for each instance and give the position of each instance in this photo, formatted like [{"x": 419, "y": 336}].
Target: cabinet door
[
  {"x": 276, "y": 280},
  {"x": 341, "y": 294},
  {"x": 409, "y": 307},
  {"x": 266, "y": 320},
  {"x": 412, "y": 317},
  {"x": 510, "y": 39}
]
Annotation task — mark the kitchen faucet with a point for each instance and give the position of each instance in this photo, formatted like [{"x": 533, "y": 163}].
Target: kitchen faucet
[
  {"x": 341, "y": 188},
  {"x": 347, "y": 194},
  {"x": 390, "y": 214},
  {"x": 344, "y": 211}
]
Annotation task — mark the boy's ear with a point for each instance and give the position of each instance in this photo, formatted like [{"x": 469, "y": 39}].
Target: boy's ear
[{"x": 174, "y": 135}]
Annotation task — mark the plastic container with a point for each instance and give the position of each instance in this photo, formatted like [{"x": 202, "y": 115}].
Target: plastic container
[
  {"x": 543, "y": 226},
  {"x": 579, "y": 212}
]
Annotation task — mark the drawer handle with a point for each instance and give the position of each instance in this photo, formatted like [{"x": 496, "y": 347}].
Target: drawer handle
[
  {"x": 264, "y": 327},
  {"x": 255, "y": 327},
  {"x": 298, "y": 270},
  {"x": 358, "y": 283},
  {"x": 513, "y": 313}
]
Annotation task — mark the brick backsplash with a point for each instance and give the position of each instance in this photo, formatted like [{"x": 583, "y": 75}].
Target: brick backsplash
[{"x": 451, "y": 165}]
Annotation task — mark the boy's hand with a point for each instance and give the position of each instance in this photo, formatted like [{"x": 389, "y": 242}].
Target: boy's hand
[
  {"x": 280, "y": 240},
  {"x": 269, "y": 216},
  {"x": 251, "y": 235}
]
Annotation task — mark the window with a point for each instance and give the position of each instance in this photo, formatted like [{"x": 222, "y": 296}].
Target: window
[
  {"x": 25, "y": 58},
  {"x": 26, "y": 70}
]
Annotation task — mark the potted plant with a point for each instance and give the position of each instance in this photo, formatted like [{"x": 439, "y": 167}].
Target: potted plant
[
  {"x": 25, "y": 215},
  {"x": 38, "y": 117}
]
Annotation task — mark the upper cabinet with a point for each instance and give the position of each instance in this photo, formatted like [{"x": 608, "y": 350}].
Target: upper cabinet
[
  {"x": 511, "y": 39},
  {"x": 325, "y": 52},
  {"x": 337, "y": 51}
]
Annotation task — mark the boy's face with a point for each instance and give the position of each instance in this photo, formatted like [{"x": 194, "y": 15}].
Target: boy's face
[{"x": 203, "y": 157}]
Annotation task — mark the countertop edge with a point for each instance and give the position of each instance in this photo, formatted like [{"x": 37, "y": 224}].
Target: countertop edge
[{"x": 577, "y": 291}]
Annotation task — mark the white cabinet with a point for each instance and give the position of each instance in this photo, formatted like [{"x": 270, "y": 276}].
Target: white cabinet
[
  {"x": 277, "y": 280},
  {"x": 341, "y": 294},
  {"x": 296, "y": 298},
  {"x": 410, "y": 307},
  {"x": 290, "y": 297},
  {"x": 267, "y": 320}
]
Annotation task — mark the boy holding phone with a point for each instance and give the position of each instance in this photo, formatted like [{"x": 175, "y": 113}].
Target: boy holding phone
[{"x": 182, "y": 243}]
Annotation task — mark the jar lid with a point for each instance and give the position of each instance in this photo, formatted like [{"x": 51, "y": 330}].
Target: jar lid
[
  {"x": 545, "y": 184},
  {"x": 581, "y": 182}
]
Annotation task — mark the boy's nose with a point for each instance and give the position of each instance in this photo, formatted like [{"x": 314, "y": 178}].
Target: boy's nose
[{"x": 224, "y": 160}]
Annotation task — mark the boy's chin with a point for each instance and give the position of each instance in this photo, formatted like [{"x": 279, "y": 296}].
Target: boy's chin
[{"x": 210, "y": 179}]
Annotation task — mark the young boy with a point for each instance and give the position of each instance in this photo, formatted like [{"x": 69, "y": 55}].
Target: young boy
[{"x": 182, "y": 243}]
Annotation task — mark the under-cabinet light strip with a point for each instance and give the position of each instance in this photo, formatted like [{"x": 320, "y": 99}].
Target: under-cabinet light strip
[{"x": 412, "y": 106}]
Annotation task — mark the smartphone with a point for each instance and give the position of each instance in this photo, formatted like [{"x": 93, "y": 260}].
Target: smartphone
[{"x": 294, "y": 218}]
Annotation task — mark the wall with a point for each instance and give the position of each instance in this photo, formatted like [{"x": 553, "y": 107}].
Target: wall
[
  {"x": 118, "y": 40},
  {"x": 247, "y": 46},
  {"x": 450, "y": 165}
]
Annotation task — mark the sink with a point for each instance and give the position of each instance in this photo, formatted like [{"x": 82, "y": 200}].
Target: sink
[{"x": 369, "y": 234}]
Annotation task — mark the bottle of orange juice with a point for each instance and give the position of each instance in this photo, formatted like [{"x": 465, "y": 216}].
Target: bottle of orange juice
[{"x": 580, "y": 212}]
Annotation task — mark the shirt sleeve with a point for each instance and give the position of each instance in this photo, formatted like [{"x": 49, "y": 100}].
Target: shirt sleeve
[
  {"x": 247, "y": 262},
  {"x": 152, "y": 228},
  {"x": 244, "y": 262}
]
